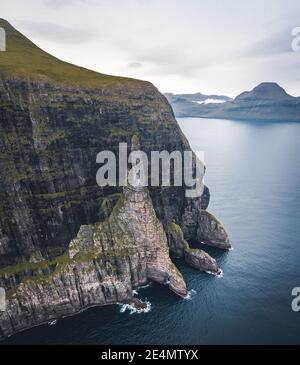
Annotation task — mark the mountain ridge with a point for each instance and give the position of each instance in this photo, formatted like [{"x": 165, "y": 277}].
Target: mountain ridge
[
  {"x": 268, "y": 101},
  {"x": 25, "y": 59},
  {"x": 265, "y": 90}
]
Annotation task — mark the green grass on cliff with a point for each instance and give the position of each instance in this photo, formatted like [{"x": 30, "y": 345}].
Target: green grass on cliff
[{"x": 23, "y": 59}]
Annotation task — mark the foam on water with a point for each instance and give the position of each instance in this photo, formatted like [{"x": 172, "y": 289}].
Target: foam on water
[
  {"x": 132, "y": 309},
  {"x": 52, "y": 323},
  {"x": 219, "y": 274},
  {"x": 135, "y": 292},
  {"x": 143, "y": 287},
  {"x": 191, "y": 293}
]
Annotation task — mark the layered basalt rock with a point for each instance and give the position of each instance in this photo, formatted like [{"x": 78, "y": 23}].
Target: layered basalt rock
[
  {"x": 102, "y": 265},
  {"x": 196, "y": 258},
  {"x": 201, "y": 226},
  {"x": 65, "y": 243},
  {"x": 211, "y": 232}
]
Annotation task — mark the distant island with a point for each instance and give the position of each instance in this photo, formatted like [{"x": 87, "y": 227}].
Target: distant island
[{"x": 266, "y": 102}]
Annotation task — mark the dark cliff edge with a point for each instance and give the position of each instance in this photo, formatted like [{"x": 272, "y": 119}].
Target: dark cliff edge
[{"x": 65, "y": 243}]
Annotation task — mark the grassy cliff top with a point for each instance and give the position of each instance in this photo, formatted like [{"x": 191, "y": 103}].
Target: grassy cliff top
[{"x": 23, "y": 59}]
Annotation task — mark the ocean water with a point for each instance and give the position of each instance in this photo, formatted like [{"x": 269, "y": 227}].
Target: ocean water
[{"x": 253, "y": 171}]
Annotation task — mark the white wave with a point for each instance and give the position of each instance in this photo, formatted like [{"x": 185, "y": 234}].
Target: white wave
[
  {"x": 190, "y": 294},
  {"x": 52, "y": 323},
  {"x": 135, "y": 291},
  {"x": 144, "y": 287},
  {"x": 219, "y": 274},
  {"x": 132, "y": 309}
]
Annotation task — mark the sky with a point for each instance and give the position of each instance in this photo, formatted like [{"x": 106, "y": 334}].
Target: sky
[{"x": 181, "y": 46}]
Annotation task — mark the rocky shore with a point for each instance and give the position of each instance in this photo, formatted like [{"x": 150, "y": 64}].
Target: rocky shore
[{"x": 65, "y": 243}]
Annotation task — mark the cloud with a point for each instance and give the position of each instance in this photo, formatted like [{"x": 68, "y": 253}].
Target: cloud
[
  {"x": 56, "y": 3},
  {"x": 59, "y": 33},
  {"x": 134, "y": 65},
  {"x": 180, "y": 46},
  {"x": 276, "y": 44}
]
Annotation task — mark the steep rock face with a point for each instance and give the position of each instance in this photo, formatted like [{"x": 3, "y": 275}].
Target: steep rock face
[
  {"x": 49, "y": 140},
  {"x": 101, "y": 266},
  {"x": 201, "y": 226},
  {"x": 65, "y": 243},
  {"x": 196, "y": 258},
  {"x": 211, "y": 231},
  {"x": 54, "y": 119}
]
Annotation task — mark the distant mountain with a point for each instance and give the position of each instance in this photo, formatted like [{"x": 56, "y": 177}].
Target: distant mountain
[
  {"x": 265, "y": 91},
  {"x": 266, "y": 102}
]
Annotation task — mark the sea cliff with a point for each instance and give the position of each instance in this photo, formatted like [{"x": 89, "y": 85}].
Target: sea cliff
[{"x": 67, "y": 244}]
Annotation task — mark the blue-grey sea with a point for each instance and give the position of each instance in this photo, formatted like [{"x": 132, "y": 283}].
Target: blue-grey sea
[{"x": 253, "y": 172}]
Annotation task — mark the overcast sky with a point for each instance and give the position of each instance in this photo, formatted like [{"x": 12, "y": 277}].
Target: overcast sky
[{"x": 212, "y": 46}]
